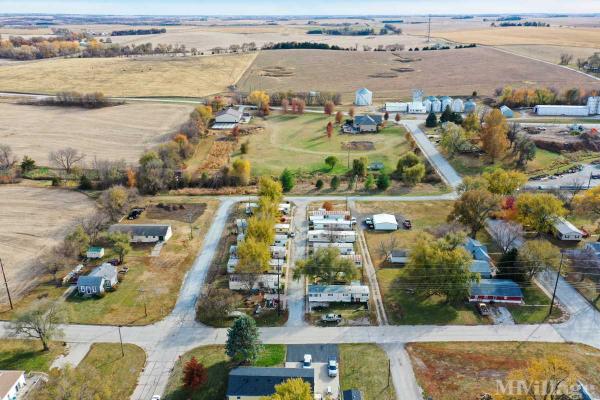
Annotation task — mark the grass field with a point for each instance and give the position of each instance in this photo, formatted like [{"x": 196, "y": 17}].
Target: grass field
[
  {"x": 449, "y": 371},
  {"x": 27, "y": 355},
  {"x": 218, "y": 366},
  {"x": 33, "y": 220},
  {"x": 300, "y": 142},
  {"x": 550, "y": 53},
  {"x": 365, "y": 367},
  {"x": 133, "y": 77},
  {"x": 449, "y": 72},
  {"x": 112, "y": 133}
]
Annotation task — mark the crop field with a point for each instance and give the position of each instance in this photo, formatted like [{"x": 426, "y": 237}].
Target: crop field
[
  {"x": 447, "y": 72},
  {"x": 115, "y": 133},
  {"x": 130, "y": 77},
  {"x": 33, "y": 220},
  {"x": 550, "y": 53}
]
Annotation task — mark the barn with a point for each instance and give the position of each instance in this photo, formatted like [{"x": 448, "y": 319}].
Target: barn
[{"x": 385, "y": 222}]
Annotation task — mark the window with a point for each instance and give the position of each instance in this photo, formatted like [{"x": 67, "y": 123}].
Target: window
[{"x": 88, "y": 290}]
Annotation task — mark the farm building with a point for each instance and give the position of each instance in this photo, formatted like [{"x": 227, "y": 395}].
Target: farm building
[
  {"x": 496, "y": 290},
  {"x": 564, "y": 230},
  {"x": 95, "y": 252},
  {"x": 367, "y": 123},
  {"x": 144, "y": 233},
  {"x": 416, "y": 107},
  {"x": 338, "y": 294},
  {"x": 396, "y": 107},
  {"x": 507, "y": 112},
  {"x": 458, "y": 106},
  {"x": 398, "y": 257},
  {"x": 263, "y": 281},
  {"x": 446, "y": 102},
  {"x": 251, "y": 383},
  {"x": 470, "y": 106},
  {"x": 344, "y": 248},
  {"x": 11, "y": 383},
  {"x": 324, "y": 236},
  {"x": 427, "y": 104},
  {"x": 384, "y": 222},
  {"x": 102, "y": 278},
  {"x": 228, "y": 116},
  {"x": 571, "y": 111},
  {"x": 363, "y": 97}
]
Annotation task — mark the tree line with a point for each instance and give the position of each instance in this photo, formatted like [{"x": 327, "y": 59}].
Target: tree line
[
  {"x": 127, "y": 32},
  {"x": 529, "y": 96}
]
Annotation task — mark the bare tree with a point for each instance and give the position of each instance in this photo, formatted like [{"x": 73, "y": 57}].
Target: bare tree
[
  {"x": 66, "y": 158},
  {"x": 506, "y": 234},
  {"x": 41, "y": 321},
  {"x": 93, "y": 224},
  {"x": 7, "y": 159},
  {"x": 386, "y": 247}
]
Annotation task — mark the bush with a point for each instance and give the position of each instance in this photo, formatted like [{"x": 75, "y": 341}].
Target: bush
[
  {"x": 85, "y": 183},
  {"x": 287, "y": 180},
  {"x": 335, "y": 182},
  {"x": 244, "y": 147},
  {"x": 56, "y": 181},
  {"x": 383, "y": 181},
  {"x": 319, "y": 184}
]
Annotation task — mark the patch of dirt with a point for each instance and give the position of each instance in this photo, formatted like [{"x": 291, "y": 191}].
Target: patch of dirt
[
  {"x": 405, "y": 69},
  {"x": 277, "y": 72},
  {"x": 558, "y": 139},
  {"x": 384, "y": 75},
  {"x": 358, "y": 146},
  {"x": 177, "y": 212},
  {"x": 404, "y": 59}
]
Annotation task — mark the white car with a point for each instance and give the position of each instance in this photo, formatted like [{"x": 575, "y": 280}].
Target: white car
[
  {"x": 155, "y": 397},
  {"x": 307, "y": 363},
  {"x": 332, "y": 368}
]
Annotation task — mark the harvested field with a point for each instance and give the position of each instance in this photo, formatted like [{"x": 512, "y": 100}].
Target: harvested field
[
  {"x": 551, "y": 53},
  {"x": 33, "y": 220},
  {"x": 120, "y": 132},
  {"x": 442, "y": 72},
  {"x": 141, "y": 76},
  {"x": 580, "y": 37}
]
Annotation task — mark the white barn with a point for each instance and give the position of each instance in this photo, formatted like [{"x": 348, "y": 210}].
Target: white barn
[
  {"x": 363, "y": 97},
  {"x": 385, "y": 222}
]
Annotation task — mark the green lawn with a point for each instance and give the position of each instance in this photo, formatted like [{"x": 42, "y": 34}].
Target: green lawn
[
  {"x": 536, "y": 308},
  {"x": 27, "y": 355},
  {"x": 300, "y": 142},
  {"x": 217, "y": 363},
  {"x": 365, "y": 367}
]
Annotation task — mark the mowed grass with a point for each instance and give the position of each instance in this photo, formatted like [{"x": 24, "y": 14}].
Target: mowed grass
[
  {"x": 28, "y": 355},
  {"x": 133, "y": 77},
  {"x": 121, "y": 371},
  {"x": 365, "y": 367},
  {"x": 300, "y": 142},
  {"x": 218, "y": 366},
  {"x": 450, "y": 371},
  {"x": 536, "y": 308}
]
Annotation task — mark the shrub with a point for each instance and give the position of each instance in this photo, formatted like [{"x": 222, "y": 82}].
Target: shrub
[
  {"x": 319, "y": 184},
  {"x": 335, "y": 182},
  {"x": 383, "y": 181}
]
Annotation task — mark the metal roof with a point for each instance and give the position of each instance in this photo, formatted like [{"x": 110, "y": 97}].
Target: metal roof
[
  {"x": 565, "y": 227},
  {"x": 338, "y": 289},
  {"x": 141, "y": 229},
  {"x": 384, "y": 219},
  {"x": 230, "y": 111},
  {"x": 256, "y": 381},
  {"x": 496, "y": 287},
  {"x": 481, "y": 267},
  {"x": 352, "y": 394},
  {"x": 363, "y": 91}
]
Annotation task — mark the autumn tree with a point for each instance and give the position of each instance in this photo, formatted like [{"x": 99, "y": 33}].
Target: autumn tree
[
  {"x": 327, "y": 206},
  {"x": 120, "y": 244},
  {"x": 410, "y": 168},
  {"x": 66, "y": 158},
  {"x": 241, "y": 171},
  {"x": 351, "y": 112},
  {"x": 397, "y": 118},
  {"x": 254, "y": 257},
  {"x": 329, "y": 130},
  {"x": 326, "y": 266},
  {"x": 472, "y": 183},
  {"x": 506, "y": 234},
  {"x": 261, "y": 229},
  {"x": 204, "y": 114},
  {"x": 537, "y": 255},
  {"x": 259, "y": 98},
  {"x": 216, "y": 302},
  {"x": 471, "y": 124},
  {"x": 369, "y": 182},
  {"x": 502, "y": 182},
  {"x": 40, "y": 321},
  {"x": 194, "y": 374},
  {"x": 270, "y": 188},
  {"x": 493, "y": 135},
  {"x": 339, "y": 117},
  {"x": 116, "y": 201},
  {"x": 243, "y": 341},
  {"x": 588, "y": 202},
  {"x": 292, "y": 389},
  {"x": 329, "y": 108},
  {"x": 525, "y": 150},
  {"x": 78, "y": 240},
  {"x": 539, "y": 210},
  {"x": 454, "y": 139},
  {"x": 473, "y": 208}
]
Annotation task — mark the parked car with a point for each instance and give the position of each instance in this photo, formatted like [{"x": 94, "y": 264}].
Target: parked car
[
  {"x": 369, "y": 222},
  {"x": 135, "y": 213},
  {"x": 332, "y": 368},
  {"x": 155, "y": 397},
  {"x": 337, "y": 318},
  {"x": 407, "y": 224},
  {"x": 595, "y": 176},
  {"x": 307, "y": 363},
  {"x": 483, "y": 309}
]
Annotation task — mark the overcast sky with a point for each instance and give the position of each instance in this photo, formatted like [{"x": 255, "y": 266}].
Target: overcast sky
[{"x": 296, "y": 7}]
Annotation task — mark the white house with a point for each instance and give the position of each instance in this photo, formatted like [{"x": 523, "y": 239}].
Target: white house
[
  {"x": 324, "y": 236},
  {"x": 564, "y": 230},
  {"x": 324, "y": 214},
  {"x": 344, "y": 248},
  {"x": 102, "y": 278},
  {"x": 278, "y": 252},
  {"x": 333, "y": 224},
  {"x": 338, "y": 294},
  {"x": 384, "y": 222},
  {"x": 228, "y": 116},
  {"x": 11, "y": 383},
  {"x": 264, "y": 281},
  {"x": 144, "y": 233},
  {"x": 398, "y": 257},
  {"x": 95, "y": 252}
]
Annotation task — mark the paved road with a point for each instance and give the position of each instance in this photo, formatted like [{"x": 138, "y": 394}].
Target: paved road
[
  {"x": 443, "y": 168},
  {"x": 295, "y": 290}
]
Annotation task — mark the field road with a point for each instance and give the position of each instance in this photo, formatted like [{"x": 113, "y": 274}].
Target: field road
[{"x": 402, "y": 373}]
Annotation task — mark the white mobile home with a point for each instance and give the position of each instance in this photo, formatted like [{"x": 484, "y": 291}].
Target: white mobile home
[
  {"x": 241, "y": 225},
  {"x": 280, "y": 240},
  {"x": 564, "y": 230},
  {"x": 282, "y": 228},
  {"x": 333, "y": 224},
  {"x": 332, "y": 236},
  {"x": 338, "y": 294},
  {"x": 275, "y": 265},
  {"x": 11, "y": 383},
  {"x": 278, "y": 252},
  {"x": 355, "y": 258},
  {"x": 398, "y": 257},
  {"x": 344, "y": 248},
  {"x": 264, "y": 281},
  {"x": 328, "y": 214},
  {"x": 384, "y": 222},
  {"x": 144, "y": 233}
]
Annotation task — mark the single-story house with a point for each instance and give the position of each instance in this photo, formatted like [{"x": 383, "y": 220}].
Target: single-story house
[
  {"x": 11, "y": 383},
  {"x": 338, "y": 293},
  {"x": 102, "y": 278},
  {"x": 249, "y": 383},
  {"x": 367, "y": 123},
  {"x": 263, "y": 281},
  {"x": 398, "y": 257},
  {"x": 324, "y": 214},
  {"x": 497, "y": 291},
  {"x": 280, "y": 240},
  {"x": 564, "y": 230},
  {"x": 228, "y": 116},
  {"x": 385, "y": 222},
  {"x": 344, "y": 248},
  {"x": 323, "y": 236},
  {"x": 95, "y": 252},
  {"x": 333, "y": 224},
  {"x": 352, "y": 394},
  {"x": 144, "y": 233},
  {"x": 282, "y": 228}
]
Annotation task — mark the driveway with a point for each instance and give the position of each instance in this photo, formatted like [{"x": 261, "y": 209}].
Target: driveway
[{"x": 402, "y": 373}]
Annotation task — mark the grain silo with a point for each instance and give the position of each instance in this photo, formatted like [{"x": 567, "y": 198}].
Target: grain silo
[
  {"x": 446, "y": 101},
  {"x": 427, "y": 103},
  {"x": 436, "y": 106},
  {"x": 457, "y": 106},
  {"x": 470, "y": 106},
  {"x": 593, "y": 104},
  {"x": 364, "y": 97}
]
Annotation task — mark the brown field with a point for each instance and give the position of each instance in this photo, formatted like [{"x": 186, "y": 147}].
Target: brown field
[
  {"x": 131, "y": 77},
  {"x": 33, "y": 220},
  {"x": 448, "y": 72},
  {"x": 115, "y": 133},
  {"x": 550, "y": 53},
  {"x": 580, "y": 37}
]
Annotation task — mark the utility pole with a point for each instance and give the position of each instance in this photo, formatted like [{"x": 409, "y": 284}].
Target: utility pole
[
  {"x": 6, "y": 284},
  {"x": 429, "y": 30},
  {"x": 590, "y": 180},
  {"x": 556, "y": 284},
  {"x": 121, "y": 341}
]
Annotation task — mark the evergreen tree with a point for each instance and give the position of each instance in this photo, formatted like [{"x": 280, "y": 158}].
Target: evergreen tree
[
  {"x": 446, "y": 115},
  {"x": 319, "y": 184},
  {"x": 383, "y": 181},
  {"x": 431, "y": 121},
  {"x": 243, "y": 342},
  {"x": 287, "y": 180},
  {"x": 335, "y": 182}
]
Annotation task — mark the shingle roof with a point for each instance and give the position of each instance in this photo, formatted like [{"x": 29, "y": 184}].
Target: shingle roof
[
  {"x": 230, "y": 111},
  {"x": 496, "y": 287},
  {"x": 352, "y": 394},
  {"x": 254, "y": 381},
  {"x": 7, "y": 380},
  {"x": 89, "y": 281},
  {"x": 141, "y": 229},
  {"x": 368, "y": 119}
]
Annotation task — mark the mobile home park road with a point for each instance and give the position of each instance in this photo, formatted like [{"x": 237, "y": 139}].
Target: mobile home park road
[{"x": 179, "y": 332}]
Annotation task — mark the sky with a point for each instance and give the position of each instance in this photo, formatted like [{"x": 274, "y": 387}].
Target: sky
[{"x": 296, "y": 7}]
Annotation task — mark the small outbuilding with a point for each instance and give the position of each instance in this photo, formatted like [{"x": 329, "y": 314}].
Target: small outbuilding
[
  {"x": 507, "y": 112},
  {"x": 95, "y": 252},
  {"x": 385, "y": 222},
  {"x": 398, "y": 257},
  {"x": 564, "y": 230},
  {"x": 144, "y": 233},
  {"x": 496, "y": 291},
  {"x": 363, "y": 97}
]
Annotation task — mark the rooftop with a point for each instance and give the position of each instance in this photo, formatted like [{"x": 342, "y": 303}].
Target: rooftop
[
  {"x": 141, "y": 229},
  {"x": 368, "y": 119},
  {"x": 565, "y": 227},
  {"x": 255, "y": 381},
  {"x": 338, "y": 289},
  {"x": 496, "y": 287},
  {"x": 8, "y": 380},
  {"x": 384, "y": 218}
]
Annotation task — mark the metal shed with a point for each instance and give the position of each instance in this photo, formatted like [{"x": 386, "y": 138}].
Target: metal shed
[{"x": 363, "y": 97}]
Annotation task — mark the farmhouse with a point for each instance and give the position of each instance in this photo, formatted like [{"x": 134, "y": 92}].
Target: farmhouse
[
  {"x": 338, "y": 294},
  {"x": 564, "y": 230},
  {"x": 104, "y": 277},
  {"x": 363, "y": 97},
  {"x": 367, "y": 123},
  {"x": 228, "y": 116},
  {"x": 249, "y": 383},
  {"x": 324, "y": 236},
  {"x": 384, "y": 222},
  {"x": 344, "y": 248},
  {"x": 497, "y": 291},
  {"x": 95, "y": 252},
  {"x": 144, "y": 233},
  {"x": 11, "y": 383}
]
